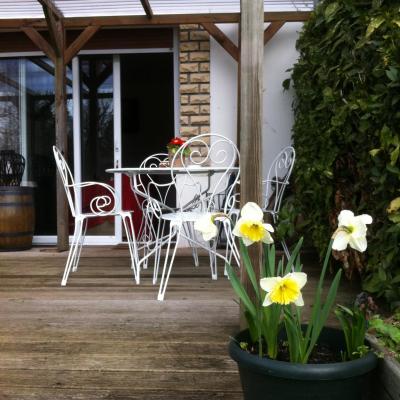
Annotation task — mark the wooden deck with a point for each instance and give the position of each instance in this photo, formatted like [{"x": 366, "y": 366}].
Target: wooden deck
[{"x": 103, "y": 337}]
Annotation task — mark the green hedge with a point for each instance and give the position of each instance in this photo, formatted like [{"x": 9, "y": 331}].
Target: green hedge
[{"x": 346, "y": 131}]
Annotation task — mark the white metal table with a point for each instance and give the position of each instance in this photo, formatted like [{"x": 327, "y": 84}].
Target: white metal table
[{"x": 137, "y": 187}]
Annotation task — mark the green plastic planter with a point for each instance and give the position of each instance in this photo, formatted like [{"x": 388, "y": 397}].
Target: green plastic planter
[{"x": 265, "y": 379}]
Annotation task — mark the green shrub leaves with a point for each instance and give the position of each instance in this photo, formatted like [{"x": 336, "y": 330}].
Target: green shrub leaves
[{"x": 347, "y": 130}]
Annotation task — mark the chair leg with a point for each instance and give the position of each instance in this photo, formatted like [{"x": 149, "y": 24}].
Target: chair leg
[
  {"x": 193, "y": 246},
  {"x": 80, "y": 245},
  {"x": 174, "y": 230},
  {"x": 213, "y": 259},
  {"x": 231, "y": 247},
  {"x": 157, "y": 254},
  {"x": 72, "y": 251},
  {"x": 149, "y": 231},
  {"x": 130, "y": 234},
  {"x": 285, "y": 249}
]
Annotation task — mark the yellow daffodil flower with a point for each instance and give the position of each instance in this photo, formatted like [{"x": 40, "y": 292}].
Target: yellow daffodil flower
[
  {"x": 284, "y": 290},
  {"x": 352, "y": 230},
  {"x": 250, "y": 226}
]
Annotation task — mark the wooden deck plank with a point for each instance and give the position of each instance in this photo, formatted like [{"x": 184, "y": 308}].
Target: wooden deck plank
[
  {"x": 115, "y": 394},
  {"x": 104, "y": 337}
]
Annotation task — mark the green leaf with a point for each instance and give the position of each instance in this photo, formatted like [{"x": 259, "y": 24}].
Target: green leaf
[
  {"x": 373, "y": 25},
  {"x": 382, "y": 274},
  {"x": 374, "y": 152},
  {"x": 395, "y": 218},
  {"x": 252, "y": 326},
  {"x": 331, "y": 10},
  {"x": 240, "y": 291},
  {"x": 249, "y": 267},
  {"x": 392, "y": 74},
  {"x": 286, "y": 84},
  {"x": 394, "y": 155},
  {"x": 293, "y": 256},
  {"x": 394, "y": 205}
]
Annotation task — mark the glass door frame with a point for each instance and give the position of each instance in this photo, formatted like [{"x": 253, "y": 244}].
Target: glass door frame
[
  {"x": 117, "y": 237},
  {"x": 76, "y": 94}
]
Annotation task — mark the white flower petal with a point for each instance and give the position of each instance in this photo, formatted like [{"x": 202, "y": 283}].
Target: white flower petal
[
  {"x": 269, "y": 227},
  {"x": 206, "y": 227},
  {"x": 345, "y": 218},
  {"x": 358, "y": 243},
  {"x": 247, "y": 241},
  {"x": 267, "y": 301},
  {"x": 236, "y": 229},
  {"x": 340, "y": 241},
  {"x": 299, "y": 301},
  {"x": 359, "y": 228},
  {"x": 213, "y": 233},
  {"x": 252, "y": 211},
  {"x": 365, "y": 218},
  {"x": 267, "y": 238},
  {"x": 299, "y": 277},
  {"x": 268, "y": 284},
  {"x": 203, "y": 222}
]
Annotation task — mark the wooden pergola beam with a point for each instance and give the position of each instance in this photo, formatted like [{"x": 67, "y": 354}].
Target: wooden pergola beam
[
  {"x": 40, "y": 42},
  {"x": 222, "y": 39},
  {"x": 271, "y": 30},
  {"x": 49, "y": 4},
  {"x": 147, "y": 8},
  {"x": 79, "y": 42},
  {"x": 141, "y": 20}
]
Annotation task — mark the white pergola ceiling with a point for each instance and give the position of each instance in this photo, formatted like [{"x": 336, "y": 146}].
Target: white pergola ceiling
[{"x": 26, "y": 9}]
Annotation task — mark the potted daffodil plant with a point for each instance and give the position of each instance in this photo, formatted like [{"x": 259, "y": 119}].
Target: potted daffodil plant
[{"x": 280, "y": 356}]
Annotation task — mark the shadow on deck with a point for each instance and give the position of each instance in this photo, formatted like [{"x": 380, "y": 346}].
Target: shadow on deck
[{"x": 103, "y": 337}]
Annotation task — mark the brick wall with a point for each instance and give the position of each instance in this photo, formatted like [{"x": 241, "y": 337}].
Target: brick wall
[{"x": 194, "y": 76}]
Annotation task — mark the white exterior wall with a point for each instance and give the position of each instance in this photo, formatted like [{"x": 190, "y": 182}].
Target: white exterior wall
[{"x": 279, "y": 55}]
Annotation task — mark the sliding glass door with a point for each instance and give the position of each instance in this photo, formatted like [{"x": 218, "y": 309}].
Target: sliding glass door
[
  {"x": 120, "y": 110},
  {"x": 96, "y": 133}
]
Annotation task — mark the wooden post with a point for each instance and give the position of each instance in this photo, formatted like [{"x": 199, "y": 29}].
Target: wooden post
[
  {"x": 54, "y": 19},
  {"x": 250, "y": 114},
  {"x": 62, "y": 144}
]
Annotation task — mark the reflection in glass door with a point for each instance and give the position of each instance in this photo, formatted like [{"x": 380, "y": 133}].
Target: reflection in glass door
[
  {"x": 97, "y": 133},
  {"x": 27, "y": 126}
]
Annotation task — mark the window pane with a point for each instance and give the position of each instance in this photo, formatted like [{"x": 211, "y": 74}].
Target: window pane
[
  {"x": 97, "y": 132},
  {"x": 27, "y": 125}
]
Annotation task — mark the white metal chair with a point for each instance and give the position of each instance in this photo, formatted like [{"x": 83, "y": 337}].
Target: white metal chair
[
  {"x": 275, "y": 186},
  {"x": 100, "y": 206},
  {"x": 157, "y": 191},
  {"x": 194, "y": 197},
  {"x": 276, "y": 183}
]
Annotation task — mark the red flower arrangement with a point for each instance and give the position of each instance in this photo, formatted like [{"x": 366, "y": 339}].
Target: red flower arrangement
[{"x": 174, "y": 145}]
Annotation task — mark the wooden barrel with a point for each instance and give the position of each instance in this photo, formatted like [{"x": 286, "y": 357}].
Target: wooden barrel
[{"x": 17, "y": 218}]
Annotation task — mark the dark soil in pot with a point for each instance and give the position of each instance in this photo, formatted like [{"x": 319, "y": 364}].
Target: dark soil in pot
[{"x": 265, "y": 379}]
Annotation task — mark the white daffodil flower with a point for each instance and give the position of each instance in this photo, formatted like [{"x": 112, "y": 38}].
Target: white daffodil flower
[
  {"x": 284, "y": 290},
  {"x": 205, "y": 225},
  {"x": 352, "y": 230},
  {"x": 250, "y": 226}
]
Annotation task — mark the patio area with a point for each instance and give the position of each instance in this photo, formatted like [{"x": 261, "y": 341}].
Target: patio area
[{"x": 103, "y": 337}]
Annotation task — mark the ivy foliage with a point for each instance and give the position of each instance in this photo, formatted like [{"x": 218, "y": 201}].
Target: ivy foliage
[{"x": 346, "y": 131}]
